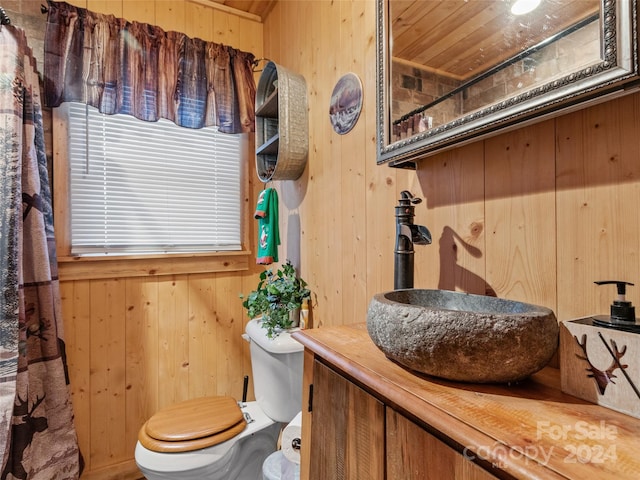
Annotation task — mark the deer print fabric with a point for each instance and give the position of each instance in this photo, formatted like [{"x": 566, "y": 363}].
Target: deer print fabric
[{"x": 37, "y": 435}]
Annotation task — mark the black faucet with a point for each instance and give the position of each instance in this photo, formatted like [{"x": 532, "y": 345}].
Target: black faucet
[{"x": 407, "y": 234}]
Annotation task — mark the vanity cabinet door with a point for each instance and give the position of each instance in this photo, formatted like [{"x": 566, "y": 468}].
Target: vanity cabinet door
[
  {"x": 415, "y": 454},
  {"x": 347, "y": 430}
]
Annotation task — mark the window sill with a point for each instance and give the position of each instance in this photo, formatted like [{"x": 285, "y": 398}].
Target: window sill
[{"x": 91, "y": 268}]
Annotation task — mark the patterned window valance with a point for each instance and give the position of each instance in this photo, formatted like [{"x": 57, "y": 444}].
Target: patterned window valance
[{"x": 139, "y": 69}]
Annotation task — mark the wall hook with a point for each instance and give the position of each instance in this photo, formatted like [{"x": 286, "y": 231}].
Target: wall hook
[{"x": 256, "y": 63}]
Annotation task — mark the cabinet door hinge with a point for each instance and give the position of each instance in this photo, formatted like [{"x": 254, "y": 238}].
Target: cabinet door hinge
[{"x": 310, "y": 406}]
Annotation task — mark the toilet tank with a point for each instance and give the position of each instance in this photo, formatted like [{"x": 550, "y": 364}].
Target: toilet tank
[{"x": 276, "y": 364}]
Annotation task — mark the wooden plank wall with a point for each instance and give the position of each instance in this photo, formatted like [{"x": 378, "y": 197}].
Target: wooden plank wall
[
  {"x": 536, "y": 214},
  {"x": 553, "y": 211},
  {"x": 138, "y": 344},
  {"x": 339, "y": 215}
]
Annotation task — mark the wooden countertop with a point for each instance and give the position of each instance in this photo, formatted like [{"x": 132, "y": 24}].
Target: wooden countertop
[{"x": 530, "y": 430}]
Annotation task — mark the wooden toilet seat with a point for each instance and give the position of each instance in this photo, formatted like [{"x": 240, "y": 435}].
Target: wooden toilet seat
[{"x": 192, "y": 425}]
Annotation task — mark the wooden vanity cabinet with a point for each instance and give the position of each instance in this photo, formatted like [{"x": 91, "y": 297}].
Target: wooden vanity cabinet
[
  {"x": 367, "y": 418},
  {"x": 348, "y": 431},
  {"x": 354, "y": 436},
  {"x": 412, "y": 453}
]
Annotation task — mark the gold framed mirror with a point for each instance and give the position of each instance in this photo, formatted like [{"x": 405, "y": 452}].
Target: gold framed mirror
[{"x": 456, "y": 71}]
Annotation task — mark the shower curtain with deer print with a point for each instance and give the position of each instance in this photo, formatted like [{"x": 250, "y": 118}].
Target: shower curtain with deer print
[{"x": 37, "y": 435}]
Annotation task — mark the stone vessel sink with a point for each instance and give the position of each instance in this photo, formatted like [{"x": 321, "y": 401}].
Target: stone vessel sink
[{"x": 461, "y": 336}]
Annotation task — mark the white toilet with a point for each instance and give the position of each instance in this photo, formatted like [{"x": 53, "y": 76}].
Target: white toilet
[{"x": 214, "y": 437}]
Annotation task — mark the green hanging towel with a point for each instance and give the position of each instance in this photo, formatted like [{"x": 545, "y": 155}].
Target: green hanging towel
[{"x": 268, "y": 231}]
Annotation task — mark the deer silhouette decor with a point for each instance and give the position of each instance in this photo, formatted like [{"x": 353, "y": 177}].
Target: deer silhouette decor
[
  {"x": 603, "y": 377},
  {"x": 23, "y": 435}
]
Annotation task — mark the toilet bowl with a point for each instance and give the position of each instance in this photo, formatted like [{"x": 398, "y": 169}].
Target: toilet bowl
[
  {"x": 213, "y": 437},
  {"x": 239, "y": 457}
]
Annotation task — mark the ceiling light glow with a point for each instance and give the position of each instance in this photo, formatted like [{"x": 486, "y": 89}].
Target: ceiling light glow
[{"x": 520, "y": 7}]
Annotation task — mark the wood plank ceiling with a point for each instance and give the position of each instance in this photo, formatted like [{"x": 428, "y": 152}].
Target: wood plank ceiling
[
  {"x": 460, "y": 39},
  {"x": 261, "y": 8}
]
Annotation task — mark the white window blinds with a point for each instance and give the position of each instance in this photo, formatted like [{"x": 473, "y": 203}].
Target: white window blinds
[{"x": 151, "y": 187}]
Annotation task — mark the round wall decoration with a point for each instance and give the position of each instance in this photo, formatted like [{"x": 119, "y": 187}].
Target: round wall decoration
[{"x": 346, "y": 103}]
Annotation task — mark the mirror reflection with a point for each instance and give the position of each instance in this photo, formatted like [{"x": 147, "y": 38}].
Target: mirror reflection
[{"x": 451, "y": 58}]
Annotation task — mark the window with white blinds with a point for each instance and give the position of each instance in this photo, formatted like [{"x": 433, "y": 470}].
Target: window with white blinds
[{"x": 151, "y": 187}]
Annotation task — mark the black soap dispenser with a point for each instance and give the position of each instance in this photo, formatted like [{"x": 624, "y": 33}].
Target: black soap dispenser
[{"x": 623, "y": 313}]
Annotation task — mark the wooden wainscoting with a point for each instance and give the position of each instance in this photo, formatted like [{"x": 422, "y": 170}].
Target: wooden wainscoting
[
  {"x": 142, "y": 337},
  {"x": 135, "y": 345},
  {"x": 536, "y": 214}
]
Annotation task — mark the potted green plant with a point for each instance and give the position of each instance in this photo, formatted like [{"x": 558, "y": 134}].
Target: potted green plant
[{"x": 277, "y": 299}]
